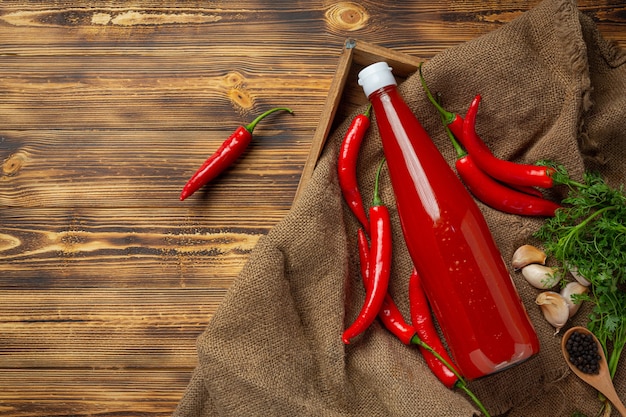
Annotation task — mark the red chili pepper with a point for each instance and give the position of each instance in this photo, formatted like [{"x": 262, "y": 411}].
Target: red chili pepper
[
  {"x": 495, "y": 194},
  {"x": 379, "y": 267},
  {"x": 225, "y": 155},
  {"x": 499, "y": 196},
  {"x": 347, "y": 166},
  {"x": 514, "y": 174},
  {"x": 454, "y": 122},
  {"x": 430, "y": 344},
  {"x": 364, "y": 255},
  {"x": 526, "y": 190},
  {"x": 389, "y": 314},
  {"x": 424, "y": 326},
  {"x": 392, "y": 319},
  {"x": 500, "y": 169}
]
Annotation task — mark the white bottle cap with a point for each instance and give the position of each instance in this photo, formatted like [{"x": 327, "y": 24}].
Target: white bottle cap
[{"x": 376, "y": 76}]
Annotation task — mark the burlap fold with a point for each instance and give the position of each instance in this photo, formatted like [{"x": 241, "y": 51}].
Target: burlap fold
[{"x": 552, "y": 88}]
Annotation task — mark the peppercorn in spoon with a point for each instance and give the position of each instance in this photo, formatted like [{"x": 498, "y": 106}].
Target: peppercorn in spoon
[{"x": 586, "y": 359}]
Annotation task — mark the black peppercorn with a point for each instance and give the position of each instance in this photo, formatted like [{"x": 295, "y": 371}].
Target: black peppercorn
[{"x": 583, "y": 352}]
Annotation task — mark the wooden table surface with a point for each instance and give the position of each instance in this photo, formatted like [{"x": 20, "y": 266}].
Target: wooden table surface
[{"x": 106, "y": 108}]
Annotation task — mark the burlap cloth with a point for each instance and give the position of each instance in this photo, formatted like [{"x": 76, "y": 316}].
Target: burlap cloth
[{"x": 552, "y": 89}]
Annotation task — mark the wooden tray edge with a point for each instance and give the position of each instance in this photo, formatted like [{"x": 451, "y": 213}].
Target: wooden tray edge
[{"x": 362, "y": 53}]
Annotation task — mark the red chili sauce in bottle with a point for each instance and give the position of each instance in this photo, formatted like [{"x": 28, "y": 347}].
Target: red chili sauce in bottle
[{"x": 470, "y": 290}]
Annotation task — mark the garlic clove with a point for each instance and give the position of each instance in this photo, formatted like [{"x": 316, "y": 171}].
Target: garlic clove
[
  {"x": 568, "y": 291},
  {"x": 528, "y": 254},
  {"x": 554, "y": 308},
  {"x": 582, "y": 280},
  {"x": 540, "y": 276}
]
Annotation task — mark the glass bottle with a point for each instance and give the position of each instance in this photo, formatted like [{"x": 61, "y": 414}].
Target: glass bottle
[{"x": 471, "y": 292}]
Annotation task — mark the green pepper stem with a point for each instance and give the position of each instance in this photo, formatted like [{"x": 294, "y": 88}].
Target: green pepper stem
[
  {"x": 559, "y": 175},
  {"x": 368, "y": 112},
  {"x": 461, "y": 384},
  {"x": 377, "y": 200},
  {"x": 447, "y": 116},
  {"x": 250, "y": 127},
  {"x": 474, "y": 398},
  {"x": 460, "y": 152}
]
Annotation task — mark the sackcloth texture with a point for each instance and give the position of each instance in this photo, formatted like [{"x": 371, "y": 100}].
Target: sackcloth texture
[{"x": 553, "y": 88}]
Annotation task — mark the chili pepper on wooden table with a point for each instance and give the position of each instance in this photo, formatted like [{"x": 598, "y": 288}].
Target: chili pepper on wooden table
[
  {"x": 379, "y": 267},
  {"x": 347, "y": 165},
  {"x": 495, "y": 194},
  {"x": 226, "y": 154}
]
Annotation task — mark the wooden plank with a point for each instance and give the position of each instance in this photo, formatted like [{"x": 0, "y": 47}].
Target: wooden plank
[
  {"x": 146, "y": 94},
  {"x": 127, "y": 248},
  {"x": 432, "y": 23},
  {"x": 104, "y": 328},
  {"x": 88, "y": 392}
]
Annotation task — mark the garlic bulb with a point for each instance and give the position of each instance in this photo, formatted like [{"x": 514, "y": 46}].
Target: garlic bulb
[
  {"x": 540, "y": 276},
  {"x": 554, "y": 308},
  {"x": 569, "y": 290},
  {"x": 528, "y": 254}
]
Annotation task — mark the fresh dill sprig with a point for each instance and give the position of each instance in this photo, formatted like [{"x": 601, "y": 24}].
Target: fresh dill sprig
[{"x": 588, "y": 235}]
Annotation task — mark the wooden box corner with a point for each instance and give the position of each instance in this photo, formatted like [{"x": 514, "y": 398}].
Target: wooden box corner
[{"x": 345, "y": 95}]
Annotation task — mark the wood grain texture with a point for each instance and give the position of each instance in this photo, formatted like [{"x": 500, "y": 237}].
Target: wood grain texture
[{"x": 106, "y": 108}]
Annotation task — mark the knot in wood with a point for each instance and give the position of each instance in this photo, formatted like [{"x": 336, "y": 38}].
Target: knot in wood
[
  {"x": 234, "y": 79},
  {"x": 13, "y": 164},
  {"x": 240, "y": 98},
  {"x": 347, "y": 16}
]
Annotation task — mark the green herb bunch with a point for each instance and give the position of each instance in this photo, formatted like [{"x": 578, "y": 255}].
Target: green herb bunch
[{"x": 588, "y": 236}]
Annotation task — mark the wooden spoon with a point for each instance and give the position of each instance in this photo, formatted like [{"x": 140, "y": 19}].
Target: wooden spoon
[{"x": 601, "y": 381}]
